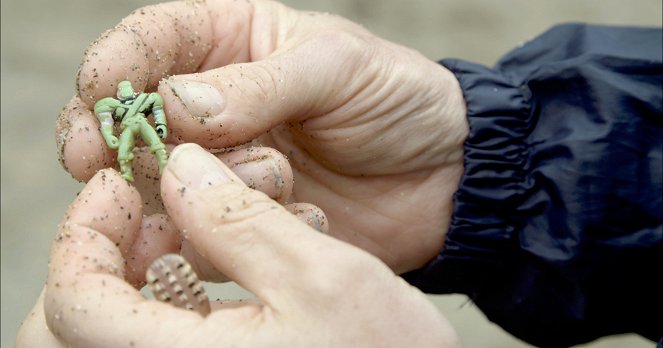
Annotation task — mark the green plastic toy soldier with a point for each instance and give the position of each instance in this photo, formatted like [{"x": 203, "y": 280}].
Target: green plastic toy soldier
[{"x": 130, "y": 109}]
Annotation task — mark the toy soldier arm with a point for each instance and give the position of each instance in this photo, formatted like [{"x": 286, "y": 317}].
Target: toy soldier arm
[
  {"x": 159, "y": 115},
  {"x": 103, "y": 109}
]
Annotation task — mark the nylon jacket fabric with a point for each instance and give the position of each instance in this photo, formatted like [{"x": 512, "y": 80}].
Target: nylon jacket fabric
[{"x": 557, "y": 228}]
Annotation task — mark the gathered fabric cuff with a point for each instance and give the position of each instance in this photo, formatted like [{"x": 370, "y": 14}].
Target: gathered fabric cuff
[
  {"x": 485, "y": 206},
  {"x": 558, "y": 211}
]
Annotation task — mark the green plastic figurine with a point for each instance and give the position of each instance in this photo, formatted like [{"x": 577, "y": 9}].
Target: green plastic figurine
[{"x": 130, "y": 109}]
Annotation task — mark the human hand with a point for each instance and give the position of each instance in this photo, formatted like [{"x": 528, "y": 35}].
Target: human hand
[
  {"x": 373, "y": 130},
  {"x": 311, "y": 290}
]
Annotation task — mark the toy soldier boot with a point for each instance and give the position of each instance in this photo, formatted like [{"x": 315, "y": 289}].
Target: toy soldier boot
[
  {"x": 159, "y": 151},
  {"x": 126, "y": 166}
]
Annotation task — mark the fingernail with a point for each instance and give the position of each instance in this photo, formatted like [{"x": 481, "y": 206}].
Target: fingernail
[
  {"x": 264, "y": 168},
  {"x": 201, "y": 99},
  {"x": 311, "y": 218},
  {"x": 196, "y": 168}
]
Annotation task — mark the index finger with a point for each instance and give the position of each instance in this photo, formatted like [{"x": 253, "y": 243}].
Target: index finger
[
  {"x": 149, "y": 44},
  {"x": 88, "y": 303},
  {"x": 85, "y": 292},
  {"x": 252, "y": 239},
  {"x": 165, "y": 39}
]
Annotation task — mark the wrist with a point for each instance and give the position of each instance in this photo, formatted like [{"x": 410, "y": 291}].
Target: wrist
[
  {"x": 452, "y": 116},
  {"x": 452, "y": 126}
]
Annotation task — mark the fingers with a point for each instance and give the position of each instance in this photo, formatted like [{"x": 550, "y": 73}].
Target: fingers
[
  {"x": 151, "y": 43},
  {"x": 305, "y": 212},
  {"x": 34, "y": 333},
  {"x": 147, "y": 179},
  {"x": 157, "y": 236},
  {"x": 85, "y": 293},
  {"x": 311, "y": 215},
  {"x": 247, "y": 236},
  {"x": 107, "y": 204},
  {"x": 296, "y": 74},
  {"x": 166, "y": 39},
  {"x": 236, "y": 103},
  {"x": 81, "y": 147},
  {"x": 263, "y": 169},
  {"x": 292, "y": 269},
  {"x": 203, "y": 268}
]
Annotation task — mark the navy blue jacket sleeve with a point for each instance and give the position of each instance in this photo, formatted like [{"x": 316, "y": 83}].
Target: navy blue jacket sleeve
[{"x": 557, "y": 228}]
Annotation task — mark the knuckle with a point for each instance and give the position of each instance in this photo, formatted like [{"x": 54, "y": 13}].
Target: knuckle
[
  {"x": 345, "y": 42},
  {"x": 234, "y": 204},
  {"x": 266, "y": 84}
]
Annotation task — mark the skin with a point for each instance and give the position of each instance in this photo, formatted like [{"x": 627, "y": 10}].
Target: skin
[
  {"x": 373, "y": 131},
  {"x": 302, "y": 297},
  {"x": 373, "y": 134}
]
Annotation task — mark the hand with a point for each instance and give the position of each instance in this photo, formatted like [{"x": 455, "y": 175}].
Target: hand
[
  {"x": 311, "y": 290},
  {"x": 373, "y": 130},
  {"x": 162, "y": 131}
]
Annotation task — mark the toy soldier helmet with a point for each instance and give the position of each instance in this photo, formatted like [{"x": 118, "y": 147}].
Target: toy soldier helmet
[{"x": 124, "y": 90}]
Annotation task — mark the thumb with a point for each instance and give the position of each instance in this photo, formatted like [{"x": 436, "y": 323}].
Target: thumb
[
  {"x": 236, "y": 103},
  {"x": 251, "y": 238}
]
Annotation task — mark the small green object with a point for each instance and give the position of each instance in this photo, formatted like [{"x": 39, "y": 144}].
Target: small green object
[{"x": 130, "y": 109}]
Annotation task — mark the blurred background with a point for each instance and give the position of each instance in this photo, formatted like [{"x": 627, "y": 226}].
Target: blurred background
[{"x": 42, "y": 45}]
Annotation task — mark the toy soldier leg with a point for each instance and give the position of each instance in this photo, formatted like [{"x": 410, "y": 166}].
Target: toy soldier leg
[
  {"x": 125, "y": 154},
  {"x": 151, "y": 138}
]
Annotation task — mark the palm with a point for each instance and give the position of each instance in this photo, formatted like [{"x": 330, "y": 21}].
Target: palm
[
  {"x": 397, "y": 217},
  {"x": 389, "y": 197},
  {"x": 384, "y": 179}
]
